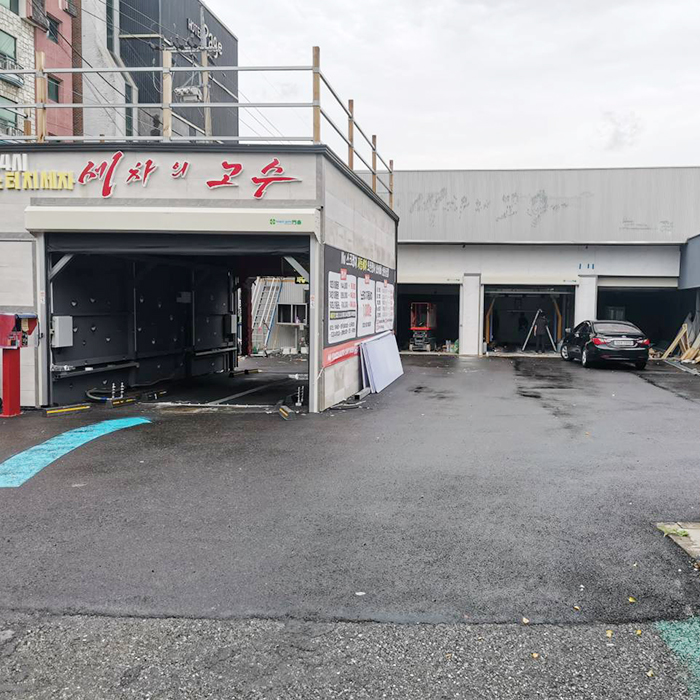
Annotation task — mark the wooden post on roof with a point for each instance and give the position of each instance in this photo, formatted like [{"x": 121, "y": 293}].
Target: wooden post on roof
[
  {"x": 317, "y": 93},
  {"x": 167, "y": 95},
  {"x": 351, "y": 134},
  {"x": 42, "y": 97},
  {"x": 374, "y": 162}
]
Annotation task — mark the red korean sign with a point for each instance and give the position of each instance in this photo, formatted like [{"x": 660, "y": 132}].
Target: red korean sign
[{"x": 118, "y": 171}]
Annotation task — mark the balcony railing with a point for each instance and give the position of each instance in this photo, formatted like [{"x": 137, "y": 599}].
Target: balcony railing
[
  {"x": 9, "y": 130},
  {"x": 356, "y": 144},
  {"x": 9, "y": 71}
]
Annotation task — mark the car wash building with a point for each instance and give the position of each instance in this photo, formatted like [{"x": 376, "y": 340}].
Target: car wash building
[
  {"x": 139, "y": 260},
  {"x": 491, "y": 248}
]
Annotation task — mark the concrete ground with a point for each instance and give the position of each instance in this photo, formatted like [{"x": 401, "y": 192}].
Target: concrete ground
[{"x": 387, "y": 551}]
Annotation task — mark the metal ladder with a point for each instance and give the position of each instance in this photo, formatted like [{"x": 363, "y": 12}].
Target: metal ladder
[{"x": 265, "y": 297}]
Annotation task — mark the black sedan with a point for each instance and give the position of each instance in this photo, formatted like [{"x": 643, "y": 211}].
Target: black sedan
[{"x": 605, "y": 341}]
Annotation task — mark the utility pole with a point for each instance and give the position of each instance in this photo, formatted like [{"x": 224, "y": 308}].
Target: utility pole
[{"x": 206, "y": 92}]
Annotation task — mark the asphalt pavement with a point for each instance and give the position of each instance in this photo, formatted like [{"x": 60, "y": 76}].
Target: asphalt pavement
[{"x": 469, "y": 495}]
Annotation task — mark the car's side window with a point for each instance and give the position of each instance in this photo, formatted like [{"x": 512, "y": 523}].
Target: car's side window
[{"x": 580, "y": 328}]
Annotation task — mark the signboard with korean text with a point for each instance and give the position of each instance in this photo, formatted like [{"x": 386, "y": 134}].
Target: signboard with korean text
[
  {"x": 160, "y": 174},
  {"x": 359, "y": 297}
]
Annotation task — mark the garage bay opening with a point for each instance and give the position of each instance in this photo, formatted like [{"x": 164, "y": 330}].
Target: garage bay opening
[
  {"x": 510, "y": 312},
  {"x": 428, "y": 317},
  {"x": 216, "y": 320}
]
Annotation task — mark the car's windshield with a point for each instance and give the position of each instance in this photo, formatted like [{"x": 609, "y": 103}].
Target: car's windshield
[{"x": 616, "y": 328}]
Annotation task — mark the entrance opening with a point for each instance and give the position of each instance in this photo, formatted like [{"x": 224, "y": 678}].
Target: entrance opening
[
  {"x": 509, "y": 313},
  {"x": 443, "y": 311},
  {"x": 172, "y": 316},
  {"x": 659, "y": 313}
]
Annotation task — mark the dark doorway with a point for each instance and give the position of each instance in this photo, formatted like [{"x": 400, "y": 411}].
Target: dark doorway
[
  {"x": 657, "y": 312},
  {"x": 446, "y": 299},
  {"x": 510, "y": 311},
  {"x": 130, "y": 313}
]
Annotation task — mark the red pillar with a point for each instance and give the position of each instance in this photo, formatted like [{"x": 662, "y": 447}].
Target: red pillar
[{"x": 10, "y": 382}]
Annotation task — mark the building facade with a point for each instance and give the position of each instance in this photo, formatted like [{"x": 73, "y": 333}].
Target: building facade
[
  {"x": 101, "y": 49},
  {"x": 139, "y": 263},
  {"x": 147, "y": 29},
  {"x": 490, "y": 248},
  {"x": 18, "y": 20},
  {"x": 127, "y": 34},
  {"x": 55, "y": 40}
]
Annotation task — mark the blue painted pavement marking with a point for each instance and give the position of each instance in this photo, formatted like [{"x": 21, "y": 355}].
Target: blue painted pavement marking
[
  {"x": 683, "y": 639},
  {"x": 23, "y": 466}
]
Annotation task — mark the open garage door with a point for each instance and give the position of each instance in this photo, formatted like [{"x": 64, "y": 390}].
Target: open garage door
[
  {"x": 445, "y": 298},
  {"x": 659, "y": 312},
  {"x": 134, "y": 312},
  {"x": 509, "y": 313}
]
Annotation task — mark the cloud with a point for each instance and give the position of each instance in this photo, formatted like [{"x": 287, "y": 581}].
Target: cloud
[{"x": 620, "y": 131}]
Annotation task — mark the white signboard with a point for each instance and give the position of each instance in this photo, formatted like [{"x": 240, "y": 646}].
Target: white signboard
[
  {"x": 385, "y": 306},
  {"x": 366, "y": 306},
  {"x": 342, "y": 306}
]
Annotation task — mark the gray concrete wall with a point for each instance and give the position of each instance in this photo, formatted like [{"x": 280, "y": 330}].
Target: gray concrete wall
[
  {"x": 643, "y": 205},
  {"x": 21, "y": 259},
  {"x": 354, "y": 222}
]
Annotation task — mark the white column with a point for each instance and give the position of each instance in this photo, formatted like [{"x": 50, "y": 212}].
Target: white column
[
  {"x": 316, "y": 326},
  {"x": 586, "y": 298},
  {"x": 470, "y": 314},
  {"x": 43, "y": 339}
]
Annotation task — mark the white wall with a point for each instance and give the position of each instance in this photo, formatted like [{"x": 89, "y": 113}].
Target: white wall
[
  {"x": 475, "y": 266},
  {"x": 354, "y": 222},
  {"x": 532, "y": 264},
  {"x": 17, "y": 296},
  {"x": 109, "y": 87}
]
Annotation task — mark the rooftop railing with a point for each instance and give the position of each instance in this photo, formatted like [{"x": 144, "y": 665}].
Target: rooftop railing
[{"x": 351, "y": 134}]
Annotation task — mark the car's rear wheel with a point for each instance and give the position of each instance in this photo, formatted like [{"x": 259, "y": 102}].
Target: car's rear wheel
[
  {"x": 564, "y": 352},
  {"x": 640, "y": 364},
  {"x": 585, "y": 359}
]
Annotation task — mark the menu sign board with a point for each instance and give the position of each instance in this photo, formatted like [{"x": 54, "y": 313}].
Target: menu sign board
[{"x": 359, "y": 302}]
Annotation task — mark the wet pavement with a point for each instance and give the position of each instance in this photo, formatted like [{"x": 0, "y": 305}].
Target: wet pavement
[{"x": 470, "y": 493}]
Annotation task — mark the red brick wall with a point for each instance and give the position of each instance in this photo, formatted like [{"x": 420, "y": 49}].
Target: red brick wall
[{"x": 59, "y": 55}]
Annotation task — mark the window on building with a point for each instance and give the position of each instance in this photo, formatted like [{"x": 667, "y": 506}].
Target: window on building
[
  {"x": 8, "y": 45},
  {"x": 291, "y": 313},
  {"x": 109, "y": 9},
  {"x": 129, "y": 113},
  {"x": 11, "y": 5},
  {"x": 54, "y": 89},
  {"x": 8, "y": 117},
  {"x": 54, "y": 29}
]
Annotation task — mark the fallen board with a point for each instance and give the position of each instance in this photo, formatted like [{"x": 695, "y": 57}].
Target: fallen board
[{"x": 381, "y": 361}]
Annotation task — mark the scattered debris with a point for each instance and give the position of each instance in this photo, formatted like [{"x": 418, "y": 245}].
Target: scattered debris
[{"x": 672, "y": 530}]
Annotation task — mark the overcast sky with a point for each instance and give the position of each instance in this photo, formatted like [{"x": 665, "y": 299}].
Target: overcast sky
[{"x": 497, "y": 84}]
